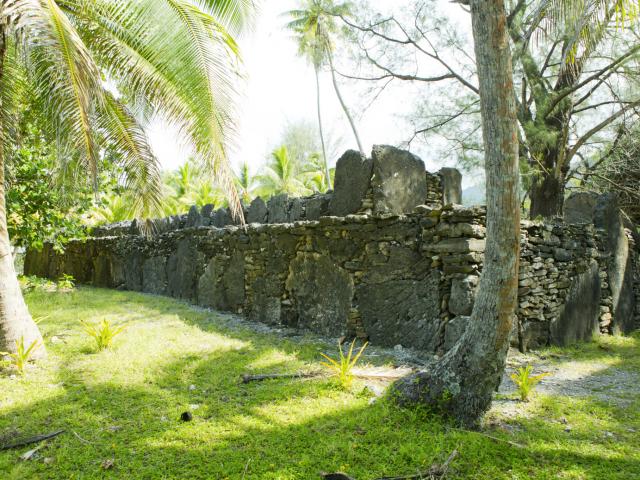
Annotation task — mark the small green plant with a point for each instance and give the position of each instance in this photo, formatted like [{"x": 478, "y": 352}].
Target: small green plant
[
  {"x": 65, "y": 282},
  {"x": 22, "y": 355},
  {"x": 343, "y": 367},
  {"x": 526, "y": 382},
  {"x": 103, "y": 333}
]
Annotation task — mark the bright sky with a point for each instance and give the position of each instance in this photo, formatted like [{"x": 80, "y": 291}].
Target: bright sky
[{"x": 280, "y": 88}]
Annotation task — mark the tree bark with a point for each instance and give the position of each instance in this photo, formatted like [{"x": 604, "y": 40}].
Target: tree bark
[
  {"x": 460, "y": 385},
  {"x": 342, "y": 103},
  {"x": 547, "y": 196},
  {"x": 15, "y": 321},
  {"x": 327, "y": 173}
]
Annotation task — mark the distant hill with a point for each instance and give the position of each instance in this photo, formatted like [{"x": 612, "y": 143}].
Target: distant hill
[{"x": 474, "y": 195}]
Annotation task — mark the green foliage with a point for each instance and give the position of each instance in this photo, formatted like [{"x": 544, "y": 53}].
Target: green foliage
[
  {"x": 32, "y": 283},
  {"x": 175, "y": 58},
  {"x": 343, "y": 367},
  {"x": 103, "y": 333},
  {"x": 22, "y": 355},
  {"x": 41, "y": 207},
  {"x": 128, "y": 404},
  {"x": 65, "y": 283},
  {"x": 526, "y": 382},
  {"x": 281, "y": 174}
]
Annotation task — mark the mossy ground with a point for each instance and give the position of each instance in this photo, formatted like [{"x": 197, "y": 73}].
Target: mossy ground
[{"x": 124, "y": 406}]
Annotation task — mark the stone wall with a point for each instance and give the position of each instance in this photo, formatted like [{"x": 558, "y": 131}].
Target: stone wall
[
  {"x": 395, "y": 274},
  {"x": 407, "y": 279}
]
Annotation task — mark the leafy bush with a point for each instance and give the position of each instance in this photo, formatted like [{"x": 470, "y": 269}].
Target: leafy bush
[
  {"x": 22, "y": 355},
  {"x": 526, "y": 382},
  {"x": 103, "y": 333},
  {"x": 65, "y": 282},
  {"x": 343, "y": 367}
]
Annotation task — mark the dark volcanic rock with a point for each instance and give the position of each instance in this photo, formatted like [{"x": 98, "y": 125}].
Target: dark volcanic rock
[
  {"x": 352, "y": 180},
  {"x": 317, "y": 206},
  {"x": 580, "y": 207},
  {"x": 321, "y": 292},
  {"x": 578, "y": 320},
  {"x": 154, "y": 275},
  {"x": 451, "y": 186},
  {"x": 399, "y": 182},
  {"x": 278, "y": 207},
  {"x": 257, "y": 212}
]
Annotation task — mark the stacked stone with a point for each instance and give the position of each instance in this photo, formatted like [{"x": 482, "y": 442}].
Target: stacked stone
[{"x": 434, "y": 190}]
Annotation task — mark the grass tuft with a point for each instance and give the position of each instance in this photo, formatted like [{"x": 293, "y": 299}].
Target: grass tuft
[{"x": 122, "y": 408}]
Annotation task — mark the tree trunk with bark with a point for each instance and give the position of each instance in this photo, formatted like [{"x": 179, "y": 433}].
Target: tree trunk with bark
[
  {"x": 15, "y": 321},
  {"x": 547, "y": 195},
  {"x": 461, "y": 383},
  {"x": 327, "y": 173},
  {"x": 342, "y": 103}
]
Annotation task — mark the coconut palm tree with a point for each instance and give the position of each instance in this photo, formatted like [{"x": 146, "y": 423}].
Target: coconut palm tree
[
  {"x": 281, "y": 175},
  {"x": 314, "y": 24},
  {"x": 174, "y": 57},
  {"x": 246, "y": 183}
]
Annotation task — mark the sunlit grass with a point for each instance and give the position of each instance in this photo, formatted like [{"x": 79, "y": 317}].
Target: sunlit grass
[{"x": 124, "y": 404}]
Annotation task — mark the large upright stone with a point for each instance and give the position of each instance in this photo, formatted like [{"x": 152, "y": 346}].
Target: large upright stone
[
  {"x": 278, "y": 207},
  {"x": 221, "y": 285},
  {"x": 295, "y": 210},
  {"x": 580, "y": 207},
  {"x": 322, "y": 293},
  {"x": 221, "y": 218},
  {"x": 463, "y": 294},
  {"x": 257, "y": 212},
  {"x": 607, "y": 216},
  {"x": 317, "y": 206},
  {"x": 451, "y": 186},
  {"x": 578, "y": 319},
  {"x": 154, "y": 275},
  {"x": 194, "y": 219},
  {"x": 399, "y": 182},
  {"x": 206, "y": 213},
  {"x": 352, "y": 180}
]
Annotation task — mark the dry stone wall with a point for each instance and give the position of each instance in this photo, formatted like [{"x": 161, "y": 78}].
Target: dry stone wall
[{"x": 383, "y": 270}]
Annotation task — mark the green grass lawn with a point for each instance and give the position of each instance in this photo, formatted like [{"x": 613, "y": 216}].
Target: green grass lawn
[{"x": 124, "y": 405}]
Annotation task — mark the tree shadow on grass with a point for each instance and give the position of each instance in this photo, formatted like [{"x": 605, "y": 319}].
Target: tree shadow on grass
[
  {"x": 280, "y": 429},
  {"x": 275, "y": 430}
]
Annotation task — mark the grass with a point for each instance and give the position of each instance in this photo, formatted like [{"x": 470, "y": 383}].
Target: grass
[{"x": 123, "y": 406}]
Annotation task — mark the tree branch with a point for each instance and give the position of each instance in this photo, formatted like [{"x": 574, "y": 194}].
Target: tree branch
[{"x": 596, "y": 129}]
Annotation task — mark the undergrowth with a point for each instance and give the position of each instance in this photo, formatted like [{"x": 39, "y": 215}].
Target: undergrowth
[{"x": 121, "y": 408}]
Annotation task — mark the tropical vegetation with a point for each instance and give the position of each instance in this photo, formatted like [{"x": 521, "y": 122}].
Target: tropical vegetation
[
  {"x": 94, "y": 68},
  {"x": 121, "y": 408}
]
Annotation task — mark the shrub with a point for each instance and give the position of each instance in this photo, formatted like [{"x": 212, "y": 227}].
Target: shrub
[
  {"x": 343, "y": 367},
  {"x": 22, "y": 355},
  {"x": 65, "y": 282},
  {"x": 103, "y": 333},
  {"x": 525, "y": 382}
]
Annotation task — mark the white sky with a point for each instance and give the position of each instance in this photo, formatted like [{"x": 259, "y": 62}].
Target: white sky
[{"x": 280, "y": 88}]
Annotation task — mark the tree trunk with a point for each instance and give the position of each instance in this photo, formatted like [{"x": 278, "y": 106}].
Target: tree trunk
[
  {"x": 327, "y": 173},
  {"x": 547, "y": 196},
  {"x": 344, "y": 106},
  {"x": 461, "y": 383},
  {"x": 15, "y": 321}
]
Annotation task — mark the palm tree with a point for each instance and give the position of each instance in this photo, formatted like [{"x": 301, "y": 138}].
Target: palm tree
[
  {"x": 281, "y": 175},
  {"x": 245, "y": 183},
  {"x": 314, "y": 26},
  {"x": 175, "y": 57}
]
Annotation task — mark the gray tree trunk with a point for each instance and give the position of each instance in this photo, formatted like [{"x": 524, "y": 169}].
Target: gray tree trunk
[
  {"x": 462, "y": 382},
  {"x": 327, "y": 173},
  {"x": 342, "y": 103},
  {"x": 15, "y": 321}
]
